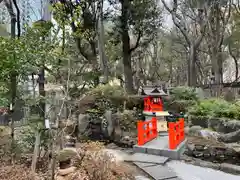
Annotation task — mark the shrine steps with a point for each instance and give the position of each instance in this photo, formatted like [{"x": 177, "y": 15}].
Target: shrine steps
[{"x": 159, "y": 146}]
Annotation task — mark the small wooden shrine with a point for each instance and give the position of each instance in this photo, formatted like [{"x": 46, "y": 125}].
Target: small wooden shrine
[{"x": 153, "y": 103}]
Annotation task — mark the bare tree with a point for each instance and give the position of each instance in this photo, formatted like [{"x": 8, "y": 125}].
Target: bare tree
[
  {"x": 218, "y": 21},
  {"x": 101, "y": 43},
  {"x": 192, "y": 22}
]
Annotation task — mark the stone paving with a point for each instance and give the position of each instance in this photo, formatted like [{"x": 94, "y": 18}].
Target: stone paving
[
  {"x": 177, "y": 170},
  {"x": 191, "y": 172},
  {"x": 148, "y": 158},
  {"x": 154, "y": 166},
  {"x": 161, "y": 168}
]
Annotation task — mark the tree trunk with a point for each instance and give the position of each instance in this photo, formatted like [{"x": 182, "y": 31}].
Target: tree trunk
[
  {"x": 235, "y": 60},
  {"x": 41, "y": 81},
  {"x": 101, "y": 44},
  {"x": 36, "y": 151},
  {"x": 215, "y": 68},
  {"x": 192, "y": 74},
  {"x": 13, "y": 74},
  {"x": 216, "y": 40},
  {"x": 127, "y": 67}
]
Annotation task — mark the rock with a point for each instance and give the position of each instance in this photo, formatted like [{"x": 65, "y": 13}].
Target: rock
[
  {"x": 230, "y": 168},
  {"x": 126, "y": 138},
  {"x": 229, "y": 95},
  {"x": 83, "y": 123},
  {"x": 194, "y": 130},
  {"x": 201, "y": 121},
  {"x": 66, "y": 154},
  {"x": 186, "y": 130},
  {"x": 118, "y": 133},
  {"x": 70, "y": 142},
  {"x": 109, "y": 125},
  {"x": 64, "y": 172},
  {"x": 208, "y": 134},
  {"x": 234, "y": 146},
  {"x": 200, "y": 93},
  {"x": 223, "y": 125},
  {"x": 60, "y": 177},
  {"x": 189, "y": 149},
  {"x": 216, "y": 124},
  {"x": 231, "y": 126},
  {"x": 230, "y": 137}
]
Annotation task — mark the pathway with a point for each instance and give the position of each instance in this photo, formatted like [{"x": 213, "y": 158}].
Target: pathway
[
  {"x": 191, "y": 172},
  {"x": 160, "y": 168}
]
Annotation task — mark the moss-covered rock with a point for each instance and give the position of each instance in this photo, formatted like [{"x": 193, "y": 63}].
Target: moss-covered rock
[{"x": 66, "y": 154}]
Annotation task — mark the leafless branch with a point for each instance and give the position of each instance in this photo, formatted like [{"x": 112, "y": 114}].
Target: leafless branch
[
  {"x": 173, "y": 12},
  {"x": 137, "y": 42}
]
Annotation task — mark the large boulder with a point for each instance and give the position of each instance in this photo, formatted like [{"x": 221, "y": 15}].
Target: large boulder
[
  {"x": 230, "y": 137},
  {"x": 83, "y": 123},
  {"x": 198, "y": 121},
  {"x": 221, "y": 125},
  {"x": 108, "y": 124},
  {"x": 193, "y": 131},
  {"x": 203, "y": 133},
  {"x": 211, "y": 150}
]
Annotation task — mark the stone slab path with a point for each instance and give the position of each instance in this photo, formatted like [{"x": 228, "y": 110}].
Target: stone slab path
[
  {"x": 157, "y": 172},
  {"x": 154, "y": 166},
  {"x": 147, "y": 158},
  {"x": 159, "y": 168},
  {"x": 191, "y": 172}
]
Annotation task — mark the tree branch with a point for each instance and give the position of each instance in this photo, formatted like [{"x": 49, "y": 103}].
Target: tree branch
[
  {"x": 203, "y": 28},
  {"x": 173, "y": 12},
  {"x": 234, "y": 59},
  {"x": 18, "y": 19},
  {"x": 137, "y": 42}
]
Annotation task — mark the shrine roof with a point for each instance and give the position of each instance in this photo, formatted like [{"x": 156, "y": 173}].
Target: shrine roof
[{"x": 153, "y": 91}]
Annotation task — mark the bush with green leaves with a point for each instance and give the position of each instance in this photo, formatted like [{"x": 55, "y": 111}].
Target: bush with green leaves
[
  {"x": 181, "y": 98},
  {"x": 215, "y": 108},
  {"x": 183, "y": 93}
]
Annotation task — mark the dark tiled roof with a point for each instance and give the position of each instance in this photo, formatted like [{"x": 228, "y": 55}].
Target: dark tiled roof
[{"x": 153, "y": 91}]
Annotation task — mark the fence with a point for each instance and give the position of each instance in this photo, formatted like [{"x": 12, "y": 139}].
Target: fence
[
  {"x": 23, "y": 112},
  {"x": 147, "y": 131},
  {"x": 176, "y": 133},
  {"x": 18, "y": 114},
  {"x": 213, "y": 90},
  {"x": 5, "y": 121}
]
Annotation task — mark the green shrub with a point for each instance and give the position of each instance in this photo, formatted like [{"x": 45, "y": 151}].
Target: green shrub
[
  {"x": 215, "y": 108},
  {"x": 183, "y": 93},
  {"x": 181, "y": 98}
]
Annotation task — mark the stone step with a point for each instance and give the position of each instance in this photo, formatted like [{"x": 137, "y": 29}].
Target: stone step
[
  {"x": 147, "y": 158},
  {"x": 159, "y": 146},
  {"x": 141, "y": 178},
  {"x": 158, "y": 172}
]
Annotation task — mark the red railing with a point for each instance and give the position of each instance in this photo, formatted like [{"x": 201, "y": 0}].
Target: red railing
[
  {"x": 176, "y": 133},
  {"x": 147, "y": 131}
]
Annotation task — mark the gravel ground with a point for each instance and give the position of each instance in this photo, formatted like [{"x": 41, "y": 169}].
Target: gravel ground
[{"x": 191, "y": 172}]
